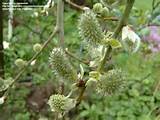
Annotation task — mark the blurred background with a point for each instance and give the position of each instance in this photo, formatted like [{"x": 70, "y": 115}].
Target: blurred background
[{"x": 27, "y": 100}]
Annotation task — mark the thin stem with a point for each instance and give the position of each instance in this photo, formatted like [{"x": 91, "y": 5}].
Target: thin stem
[
  {"x": 82, "y": 8},
  {"x": 76, "y": 58},
  {"x": 118, "y": 29},
  {"x": 60, "y": 20},
  {"x": 156, "y": 88},
  {"x": 124, "y": 18},
  {"x": 56, "y": 116},
  {"x": 157, "y": 4},
  {"x": 105, "y": 4},
  {"x": 116, "y": 3},
  {"x": 74, "y": 5},
  {"x": 22, "y": 70},
  {"x": 60, "y": 27},
  {"x": 106, "y": 58},
  {"x": 80, "y": 97},
  {"x": 152, "y": 111},
  {"x": 153, "y": 4},
  {"x": 82, "y": 87},
  {"x": 110, "y": 18},
  {"x": 158, "y": 117}
]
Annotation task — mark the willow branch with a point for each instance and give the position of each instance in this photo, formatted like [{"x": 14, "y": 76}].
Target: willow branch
[
  {"x": 116, "y": 3},
  {"x": 124, "y": 18},
  {"x": 110, "y": 18},
  {"x": 76, "y": 58},
  {"x": 60, "y": 22},
  {"x": 118, "y": 29},
  {"x": 22, "y": 70},
  {"x": 155, "y": 5},
  {"x": 82, "y": 8},
  {"x": 75, "y": 5},
  {"x": 106, "y": 57},
  {"x": 60, "y": 27},
  {"x": 82, "y": 87},
  {"x": 80, "y": 97},
  {"x": 109, "y": 51}
]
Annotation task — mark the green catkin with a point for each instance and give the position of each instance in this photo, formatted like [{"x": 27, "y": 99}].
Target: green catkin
[
  {"x": 97, "y": 8},
  {"x": 61, "y": 103},
  {"x": 56, "y": 102},
  {"x": 111, "y": 82},
  {"x": 105, "y": 12},
  {"x": 89, "y": 28},
  {"x": 20, "y": 62},
  {"x": 61, "y": 65},
  {"x": 37, "y": 47}
]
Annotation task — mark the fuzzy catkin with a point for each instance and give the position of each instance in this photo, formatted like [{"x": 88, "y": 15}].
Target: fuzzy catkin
[
  {"x": 111, "y": 82},
  {"x": 56, "y": 102},
  {"x": 61, "y": 65},
  {"x": 89, "y": 28},
  {"x": 61, "y": 103}
]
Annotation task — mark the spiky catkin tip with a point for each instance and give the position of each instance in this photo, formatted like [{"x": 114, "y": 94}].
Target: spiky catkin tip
[
  {"x": 61, "y": 103},
  {"x": 89, "y": 28},
  {"x": 111, "y": 82},
  {"x": 61, "y": 65}
]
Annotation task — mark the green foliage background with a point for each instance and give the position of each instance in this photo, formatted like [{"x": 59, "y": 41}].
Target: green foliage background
[{"x": 138, "y": 100}]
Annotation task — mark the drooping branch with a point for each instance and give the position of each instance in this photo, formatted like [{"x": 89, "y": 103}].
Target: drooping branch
[
  {"x": 58, "y": 29},
  {"x": 22, "y": 70}
]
